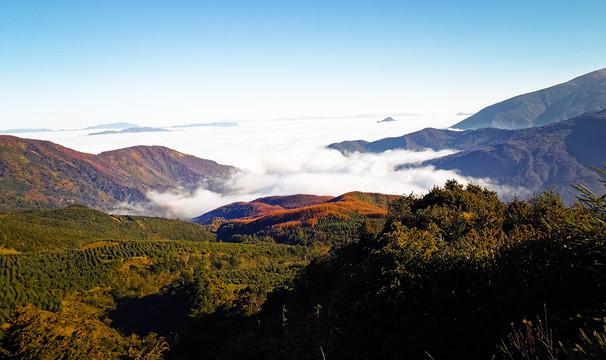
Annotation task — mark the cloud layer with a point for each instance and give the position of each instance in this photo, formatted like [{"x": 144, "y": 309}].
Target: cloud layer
[{"x": 289, "y": 156}]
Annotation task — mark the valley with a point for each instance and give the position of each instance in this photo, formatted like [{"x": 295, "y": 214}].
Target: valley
[{"x": 441, "y": 242}]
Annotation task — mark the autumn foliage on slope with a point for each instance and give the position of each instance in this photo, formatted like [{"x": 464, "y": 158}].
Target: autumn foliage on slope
[
  {"x": 260, "y": 207},
  {"x": 41, "y": 174},
  {"x": 350, "y": 207}
]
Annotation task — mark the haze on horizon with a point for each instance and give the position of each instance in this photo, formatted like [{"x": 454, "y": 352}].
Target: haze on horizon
[{"x": 70, "y": 64}]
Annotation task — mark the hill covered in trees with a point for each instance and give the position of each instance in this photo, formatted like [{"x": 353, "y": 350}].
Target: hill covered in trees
[
  {"x": 297, "y": 219},
  {"x": 41, "y": 174},
  {"x": 79, "y": 283},
  {"x": 260, "y": 207},
  {"x": 78, "y": 227},
  {"x": 455, "y": 273}
]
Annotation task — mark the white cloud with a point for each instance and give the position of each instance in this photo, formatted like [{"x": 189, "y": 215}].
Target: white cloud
[
  {"x": 321, "y": 172},
  {"x": 288, "y": 156}
]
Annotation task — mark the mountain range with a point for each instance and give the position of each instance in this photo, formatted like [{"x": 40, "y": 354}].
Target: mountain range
[
  {"x": 117, "y": 125},
  {"x": 138, "y": 129},
  {"x": 535, "y": 158},
  {"x": 260, "y": 207},
  {"x": 35, "y": 173},
  {"x": 586, "y": 93},
  {"x": 276, "y": 214}
]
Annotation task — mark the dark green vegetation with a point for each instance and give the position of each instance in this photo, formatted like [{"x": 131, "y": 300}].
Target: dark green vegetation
[
  {"x": 534, "y": 159},
  {"x": 583, "y": 94},
  {"x": 453, "y": 274},
  {"x": 76, "y": 226},
  {"x": 40, "y": 174},
  {"x": 84, "y": 284}
]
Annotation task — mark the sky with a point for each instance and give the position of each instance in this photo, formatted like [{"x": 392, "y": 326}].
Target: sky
[{"x": 71, "y": 64}]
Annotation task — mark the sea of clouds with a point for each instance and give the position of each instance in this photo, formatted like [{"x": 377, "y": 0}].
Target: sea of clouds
[{"x": 288, "y": 156}]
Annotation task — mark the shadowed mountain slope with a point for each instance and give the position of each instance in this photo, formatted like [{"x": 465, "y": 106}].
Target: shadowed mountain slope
[
  {"x": 539, "y": 158},
  {"x": 534, "y": 158},
  {"x": 428, "y": 138},
  {"x": 583, "y": 94},
  {"x": 36, "y": 173}
]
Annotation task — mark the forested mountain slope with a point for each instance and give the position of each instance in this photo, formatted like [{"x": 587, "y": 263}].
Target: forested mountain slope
[
  {"x": 41, "y": 174},
  {"x": 302, "y": 219}
]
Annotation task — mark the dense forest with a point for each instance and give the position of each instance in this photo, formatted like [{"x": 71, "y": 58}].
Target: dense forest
[{"x": 453, "y": 274}]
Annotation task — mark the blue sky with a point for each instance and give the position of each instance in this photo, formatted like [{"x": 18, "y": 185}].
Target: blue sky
[{"x": 66, "y": 64}]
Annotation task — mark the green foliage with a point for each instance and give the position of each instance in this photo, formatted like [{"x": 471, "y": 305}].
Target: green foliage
[
  {"x": 38, "y": 334},
  {"x": 76, "y": 226},
  {"x": 446, "y": 275},
  {"x": 327, "y": 232},
  {"x": 213, "y": 274},
  {"x": 596, "y": 205}
]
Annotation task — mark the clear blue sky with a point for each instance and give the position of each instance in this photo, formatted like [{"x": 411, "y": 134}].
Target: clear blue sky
[{"x": 66, "y": 64}]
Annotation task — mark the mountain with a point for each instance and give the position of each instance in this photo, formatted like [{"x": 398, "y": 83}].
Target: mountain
[
  {"x": 278, "y": 216},
  {"x": 130, "y": 130},
  {"x": 36, "y": 173},
  {"x": 534, "y": 158},
  {"x": 583, "y": 94},
  {"x": 387, "y": 119},
  {"x": 260, "y": 207},
  {"x": 539, "y": 158},
  {"x": 118, "y": 125},
  {"x": 428, "y": 138}
]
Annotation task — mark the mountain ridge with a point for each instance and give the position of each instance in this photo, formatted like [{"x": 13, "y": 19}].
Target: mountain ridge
[
  {"x": 534, "y": 158},
  {"x": 583, "y": 94},
  {"x": 337, "y": 215},
  {"x": 37, "y": 173}
]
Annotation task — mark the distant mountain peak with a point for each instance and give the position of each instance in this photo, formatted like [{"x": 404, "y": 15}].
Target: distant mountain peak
[
  {"x": 116, "y": 125},
  {"x": 137, "y": 129},
  {"x": 583, "y": 94},
  {"x": 387, "y": 119}
]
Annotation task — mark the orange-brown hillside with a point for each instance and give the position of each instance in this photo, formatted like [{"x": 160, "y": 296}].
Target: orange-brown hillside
[
  {"x": 35, "y": 173},
  {"x": 260, "y": 207},
  {"x": 344, "y": 207},
  {"x": 371, "y": 205}
]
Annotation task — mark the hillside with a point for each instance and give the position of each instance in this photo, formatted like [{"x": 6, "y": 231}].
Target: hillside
[
  {"x": 306, "y": 223},
  {"x": 429, "y": 138},
  {"x": 452, "y": 274},
  {"x": 260, "y": 207},
  {"x": 583, "y": 94},
  {"x": 455, "y": 273},
  {"x": 79, "y": 227},
  {"x": 41, "y": 174}
]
